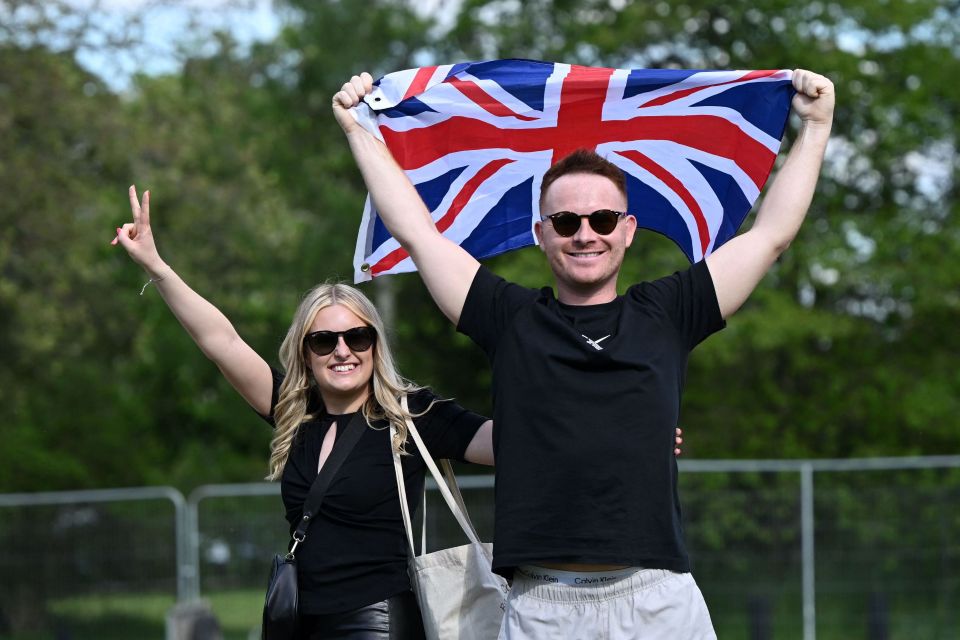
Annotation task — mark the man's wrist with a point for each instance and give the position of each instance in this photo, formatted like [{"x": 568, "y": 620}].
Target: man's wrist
[{"x": 817, "y": 126}]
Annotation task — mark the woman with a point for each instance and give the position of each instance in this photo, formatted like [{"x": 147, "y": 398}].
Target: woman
[{"x": 353, "y": 563}]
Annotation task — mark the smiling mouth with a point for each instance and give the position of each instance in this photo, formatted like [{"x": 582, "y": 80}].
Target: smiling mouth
[
  {"x": 584, "y": 254},
  {"x": 343, "y": 368}
]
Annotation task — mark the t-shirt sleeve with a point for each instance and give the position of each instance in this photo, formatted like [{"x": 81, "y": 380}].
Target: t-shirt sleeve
[
  {"x": 490, "y": 306},
  {"x": 278, "y": 378},
  {"x": 447, "y": 428},
  {"x": 689, "y": 300}
]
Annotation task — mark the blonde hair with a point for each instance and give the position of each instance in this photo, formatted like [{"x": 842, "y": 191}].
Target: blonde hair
[{"x": 388, "y": 386}]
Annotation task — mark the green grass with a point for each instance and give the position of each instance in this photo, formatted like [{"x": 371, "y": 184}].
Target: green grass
[
  {"x": 839, "y": 616},
  {"x": 141, "y": 616},
  {"x": 238, "y": 612}
]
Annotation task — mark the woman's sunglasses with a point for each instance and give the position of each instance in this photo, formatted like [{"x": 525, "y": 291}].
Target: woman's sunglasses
[
  {"x": 567, "y": 223},
  {"x": 357, "y": 339}
]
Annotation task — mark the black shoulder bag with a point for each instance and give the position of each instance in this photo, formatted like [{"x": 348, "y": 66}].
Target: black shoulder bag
[{"x": 281, "y": 607}]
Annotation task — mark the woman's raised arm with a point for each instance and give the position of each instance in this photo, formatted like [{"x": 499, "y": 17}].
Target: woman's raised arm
[{"x": 210, "y": 329}]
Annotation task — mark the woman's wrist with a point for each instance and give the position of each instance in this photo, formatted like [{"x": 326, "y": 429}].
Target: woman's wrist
[{"x": 156, "y": 273}]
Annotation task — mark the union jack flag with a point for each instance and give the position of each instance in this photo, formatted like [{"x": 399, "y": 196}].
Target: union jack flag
[{"x": 476, "y": 138}]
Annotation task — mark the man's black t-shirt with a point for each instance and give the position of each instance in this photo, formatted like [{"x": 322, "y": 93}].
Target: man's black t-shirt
[
  {"x": 586, "y": 400},
  {"x": 355, "y": 552}
]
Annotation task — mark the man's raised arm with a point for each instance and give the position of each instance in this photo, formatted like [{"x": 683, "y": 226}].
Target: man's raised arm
[
  {"x": 738, "y": 266},
  {"x": 446, "y": 268}
]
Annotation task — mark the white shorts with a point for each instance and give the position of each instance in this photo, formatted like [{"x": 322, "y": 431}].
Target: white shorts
[{"x": 652, "y": 604}]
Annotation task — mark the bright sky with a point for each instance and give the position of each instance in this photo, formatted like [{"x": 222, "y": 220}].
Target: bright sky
[{"x": 165, "y": 24}]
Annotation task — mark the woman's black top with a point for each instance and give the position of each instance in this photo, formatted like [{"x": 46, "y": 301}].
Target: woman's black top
[{"x": 355, "y": 552}]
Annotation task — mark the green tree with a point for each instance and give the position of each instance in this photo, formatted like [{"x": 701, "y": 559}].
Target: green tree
[
  {"x": 845, "y": 349},
  {"x": 62, "y": 146}
]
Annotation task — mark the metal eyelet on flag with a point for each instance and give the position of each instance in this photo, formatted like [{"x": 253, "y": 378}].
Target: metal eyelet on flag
[{"x": 365, "y": 267}]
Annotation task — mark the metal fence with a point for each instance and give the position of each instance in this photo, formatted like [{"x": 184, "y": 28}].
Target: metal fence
[
  {"x": 59, "y": 549},
  {"x": 781, "y": 549}
]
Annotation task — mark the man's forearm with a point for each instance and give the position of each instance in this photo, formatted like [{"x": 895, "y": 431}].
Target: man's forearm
[
  {"x": 446, "y": 268},
  {"x": 397, "y": 202},
  {"x": 788, "y": 199}
]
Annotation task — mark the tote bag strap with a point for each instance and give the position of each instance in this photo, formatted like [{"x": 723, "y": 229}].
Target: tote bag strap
[
  {"x": 402, "y": 493},
  {"x": 450, "y": 490},
  {"x": 454, "y": 503},
  {"x": 451, "y": 481}
]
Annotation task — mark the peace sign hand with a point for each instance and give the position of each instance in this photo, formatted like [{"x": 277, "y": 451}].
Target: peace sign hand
[{"x": 137, "y": 237}]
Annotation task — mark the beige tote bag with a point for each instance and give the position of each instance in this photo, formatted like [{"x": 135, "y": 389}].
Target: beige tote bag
[{"x": 460, "y": 596}]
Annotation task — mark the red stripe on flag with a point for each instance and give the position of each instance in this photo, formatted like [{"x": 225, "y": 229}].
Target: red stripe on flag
[
  {"x": 580, "y": 115},
  {"x": 420, "y": 81},
  {"x": 389, "y": 261},
  {"x": 397, "y": 255},
  {"x": 674, "y": 184},
  {"x": 467, "y": 192},
  {"x": 760, "y": 73},
  {"x": 484, "y": 100},
  {"x": 578, "y": 128},
  {"x": 676, "y": 95},
  {"x": 725, "y": 140}
]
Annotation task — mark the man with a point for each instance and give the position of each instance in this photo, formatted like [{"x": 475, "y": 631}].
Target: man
[{"x": 587, "y": 384}]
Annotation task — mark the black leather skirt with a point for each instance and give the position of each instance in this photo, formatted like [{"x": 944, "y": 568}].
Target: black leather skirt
[{"x": 396, "y": 618}]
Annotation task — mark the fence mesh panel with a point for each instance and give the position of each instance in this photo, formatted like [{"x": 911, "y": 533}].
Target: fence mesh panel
[
  {"x": 886, "y": 556},
  {"x": 61, "y": 565}
]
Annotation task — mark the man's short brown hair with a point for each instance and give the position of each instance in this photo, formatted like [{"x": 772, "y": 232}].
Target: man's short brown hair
[{"x": 583, "y": 161}]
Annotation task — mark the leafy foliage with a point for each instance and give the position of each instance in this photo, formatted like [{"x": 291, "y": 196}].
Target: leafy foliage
[{"x": 848, "y": 348}]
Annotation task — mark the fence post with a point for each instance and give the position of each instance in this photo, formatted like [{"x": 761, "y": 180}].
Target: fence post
[
  {"x": 878, "y": 614},
  {"x": 758, "y": 609},
  {"x": 807, "y": 540},
  {"x": 191, "y": 542},
  {"x": 191, "y": 535}
]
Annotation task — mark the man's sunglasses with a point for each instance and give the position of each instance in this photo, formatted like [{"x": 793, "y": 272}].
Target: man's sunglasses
[
  {"x": 357, "y": 339},
  {"x": 567, "y": 223}
]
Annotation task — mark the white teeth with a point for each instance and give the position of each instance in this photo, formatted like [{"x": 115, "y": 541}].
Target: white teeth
[
  {"x": 341, "y": 368},
  {"x": 592, "y": 254}
]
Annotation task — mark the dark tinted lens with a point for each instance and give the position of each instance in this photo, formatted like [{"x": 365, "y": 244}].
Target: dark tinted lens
[
  {"x": 565, "y": 223},
  {"x": 604, "y": 221},
  {"x": 321, "y": 342},
  {"x": 359, "y": 338}
]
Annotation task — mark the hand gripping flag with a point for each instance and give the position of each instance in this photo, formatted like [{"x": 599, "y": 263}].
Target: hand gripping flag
[{"x": 476, "y": 138}]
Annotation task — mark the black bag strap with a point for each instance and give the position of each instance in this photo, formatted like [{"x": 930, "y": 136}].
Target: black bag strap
[{"x": 341, "y": 449}]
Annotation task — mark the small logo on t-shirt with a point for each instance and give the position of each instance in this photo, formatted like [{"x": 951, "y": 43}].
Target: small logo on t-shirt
[{"x": 595, "y": 343}]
